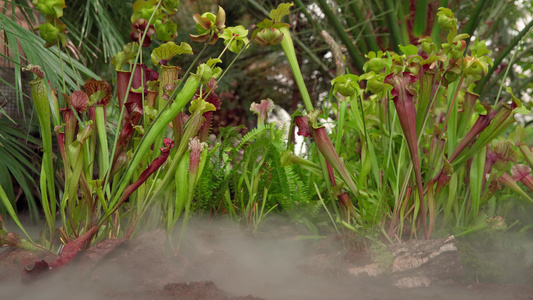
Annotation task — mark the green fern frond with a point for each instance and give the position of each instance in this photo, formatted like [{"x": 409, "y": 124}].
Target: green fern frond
[
  {"x": 254, "y": 134},
  {"x": 298, "y": 188},
  {"x": 281, "y": 183}
]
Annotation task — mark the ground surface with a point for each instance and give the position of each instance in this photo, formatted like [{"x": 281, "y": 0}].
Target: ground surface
[{"x": 222, "y": 262}]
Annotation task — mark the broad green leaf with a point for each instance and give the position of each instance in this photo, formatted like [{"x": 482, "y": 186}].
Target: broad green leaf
[
  {"x": 201, "y": 105},
  {"x": 127, "y": 54},
  {"x": 143, "y": 9},
  {"x": 171, "y": 4},
  {"x": 162, "y": 54},
  {"x": 166, "y": 31},
  {"x": 50, "y": 7},
  {"x": 215, "y": 71},
  {"x": 409, "y": 50},
  {"x": 281, "y": 11},
  {"x": 213, "y": 61},
  {"x": 236, "y": 36},
  {"x": 522, "y": 110}
]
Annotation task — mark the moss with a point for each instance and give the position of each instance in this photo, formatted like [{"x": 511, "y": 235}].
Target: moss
[
  {"x": 382, "y": 256},
  {"x": 495, "y": 257}
]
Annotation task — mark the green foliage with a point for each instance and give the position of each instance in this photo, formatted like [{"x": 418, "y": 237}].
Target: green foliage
[
  {"x": 31, "y": 48},
  {"x": 218, "y": 174},
  {"x": 143, "y": 9},
  {"x": 281, "y": 11},
  {"x": 254, "y": 134},
  {"x": 417, "y": 152},
  {"x": 425, "y": 86},
  {"x": 364, "y": 26},
  {"x": 209, "y": 26},
  {"x": 19, "y": 161},
  {"x": 128, "y": 53},
  {"x": 165, "y": 31},
  {"x": 171, "y": 4},
  {"x": 235, "y": 38},
  {"x": 52, "y": 34},
  {"x": 346, "y": 85},
  {"x": 268, "y": 32},
  {"x": 237, "y": 175},
  {"x": 50, "y": 7},
  {"x": 164, "y": 53},
  {"x": 120, "y": 172},
  {"x": 53, "y": 30}
]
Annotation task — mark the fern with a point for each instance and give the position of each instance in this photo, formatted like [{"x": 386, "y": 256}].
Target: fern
[
  {"x": 286, "y": 187},
  {"x": 213, "y": 183},
  {"x": 281, "y": 184},
  {"x": 298, "y": 188},
  {"x": 254, "y": 134}
]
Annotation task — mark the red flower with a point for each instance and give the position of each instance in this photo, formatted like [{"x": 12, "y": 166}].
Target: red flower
[
  {"x": 138, "y": 29},
  {"x": 303, "y": 126}
]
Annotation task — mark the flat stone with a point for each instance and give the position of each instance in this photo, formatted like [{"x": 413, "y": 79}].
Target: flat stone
[{"x": 418, "y": 263}]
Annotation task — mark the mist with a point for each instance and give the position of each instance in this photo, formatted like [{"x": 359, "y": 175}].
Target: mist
[{"x": 274, "y": 263}]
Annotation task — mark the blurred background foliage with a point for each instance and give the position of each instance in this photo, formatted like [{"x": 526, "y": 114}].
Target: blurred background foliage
[{"x": 97, "y": 29}]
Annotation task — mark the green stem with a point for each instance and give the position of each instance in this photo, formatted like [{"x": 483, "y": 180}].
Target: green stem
[
  {"x": 369, "y": 37},
  {"x": 39, "y": 93},
  {"x": 102, "y": 140},
  {"x": 157, "y": 127},
  {"x": 119, "y": 125},
  {"x": 402, "y": 9},
  {"x": 227, "y": 69},
  {"x": 226, "y": 48},
  {"x": 181, "y": 184},
  {"x": 313, "y": 56},
  {"x": 452, "y": 132},
  {"x": 436, "y": 32},
  {"x": 288, "y": 48},
  {"x": 354, "y": 53},
  {"x": 297, "y": 41},
  {"x": 473, "y": 21},
  {"x": 392, "y": 21},
  {"x": 421, "y": 14},
  {"x": 481, "y": 84},
  {"x": 340, "y": 124},
  {"x": 352, "y": 26}
]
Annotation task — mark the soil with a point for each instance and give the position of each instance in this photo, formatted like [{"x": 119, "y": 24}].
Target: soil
[{"x": 221, "y": 262}]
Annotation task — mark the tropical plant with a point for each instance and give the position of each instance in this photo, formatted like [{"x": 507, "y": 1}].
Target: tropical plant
[
  {"x": 412, "y": 152},
  {"x": 109, "y": 155},
  {"x": 18, "y": 150},
  {"x": 363, "y": 26},
  {"x": 247, "y": 177},
  {"x": 435, "y": 109}
]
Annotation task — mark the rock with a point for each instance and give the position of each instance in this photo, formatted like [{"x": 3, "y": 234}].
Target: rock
[{"x": 418, "y": 263}]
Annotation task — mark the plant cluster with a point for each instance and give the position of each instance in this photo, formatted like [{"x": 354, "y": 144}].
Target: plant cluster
[
  {"x": 111, "y": 154},
  {"x": 413, "y": 151},
  {"x": 452, "y": 139}
]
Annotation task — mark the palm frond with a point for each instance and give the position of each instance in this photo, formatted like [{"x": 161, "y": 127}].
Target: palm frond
[
  {"x": 18, "y": 165},
  {"x": 27, "y": 48},
  {"x": 98, "y": 29}
]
